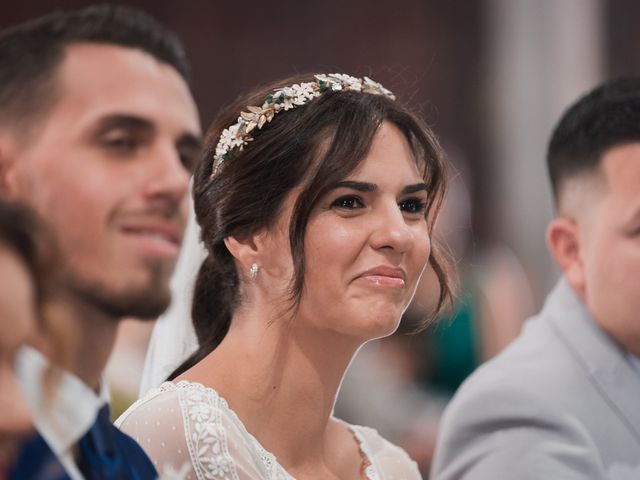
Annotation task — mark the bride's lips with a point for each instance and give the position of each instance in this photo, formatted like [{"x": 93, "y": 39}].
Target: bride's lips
[{"x": 384, "y": 276}]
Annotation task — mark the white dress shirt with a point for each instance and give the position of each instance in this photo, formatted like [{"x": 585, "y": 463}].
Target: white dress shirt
[{"x": 63, "y": 415}]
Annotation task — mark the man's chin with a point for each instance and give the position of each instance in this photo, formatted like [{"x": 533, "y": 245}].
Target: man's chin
[{"x": 145, "y": 302}]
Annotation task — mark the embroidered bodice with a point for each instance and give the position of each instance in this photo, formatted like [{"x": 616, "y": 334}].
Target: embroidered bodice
[{"x": 189, "y": 430}]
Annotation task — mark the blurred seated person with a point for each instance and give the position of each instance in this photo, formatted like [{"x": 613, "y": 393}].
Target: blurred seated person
[
  {"x": 494, "y": 294},
  {"x": 27, "y": 307}
]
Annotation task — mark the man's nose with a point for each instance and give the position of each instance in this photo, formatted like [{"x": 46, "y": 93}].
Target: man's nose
[{"x": 169, "y": 178}]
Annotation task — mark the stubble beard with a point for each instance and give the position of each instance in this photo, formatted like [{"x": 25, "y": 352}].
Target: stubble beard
[{"x": 145, "y": 302}]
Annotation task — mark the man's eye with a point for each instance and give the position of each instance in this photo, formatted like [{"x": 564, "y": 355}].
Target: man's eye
[
  {"x": 122, "y": 144},
  {"x": 413, "y": 205},
  {"x": 348, "y": 203},
  {"x": 189, "y": 161}
]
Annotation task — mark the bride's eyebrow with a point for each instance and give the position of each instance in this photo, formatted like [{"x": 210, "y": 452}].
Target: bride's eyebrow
[
  {"x": 416, "y": 187},
  {"x": 372, "y": 187},
  {"x": 359, "y": 186}
]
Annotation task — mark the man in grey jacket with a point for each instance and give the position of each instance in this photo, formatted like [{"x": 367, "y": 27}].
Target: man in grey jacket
[{"x": 563, "y": 401}]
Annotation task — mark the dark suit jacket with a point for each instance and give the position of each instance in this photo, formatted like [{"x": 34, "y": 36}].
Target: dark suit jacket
[{"x": 36, "y": 461}]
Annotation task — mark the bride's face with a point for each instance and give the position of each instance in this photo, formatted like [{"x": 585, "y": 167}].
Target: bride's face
[{"x": 366, "y": 243}]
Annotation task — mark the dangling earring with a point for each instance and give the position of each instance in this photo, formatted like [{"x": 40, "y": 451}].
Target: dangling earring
[{"x": 253, "y": 271}]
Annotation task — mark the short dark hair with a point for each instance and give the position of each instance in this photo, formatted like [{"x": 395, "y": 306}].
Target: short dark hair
[
  {"x": 30, "y": 52},
  {"x": 314, "y": 147},
  {"x": 607, "y": 116}
]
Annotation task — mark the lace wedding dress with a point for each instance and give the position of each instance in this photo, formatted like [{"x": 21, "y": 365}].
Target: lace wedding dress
[{"x": 190, "y": 430}]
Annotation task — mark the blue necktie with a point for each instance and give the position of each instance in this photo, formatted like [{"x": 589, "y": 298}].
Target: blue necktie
[{"x": 105, "y": 453}]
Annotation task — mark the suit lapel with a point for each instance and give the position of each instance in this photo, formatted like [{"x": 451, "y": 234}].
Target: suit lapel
[{"x": 603, "y": 361}]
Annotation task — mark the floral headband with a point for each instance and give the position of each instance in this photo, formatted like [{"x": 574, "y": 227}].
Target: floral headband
[{"x": 238, "y": 135}]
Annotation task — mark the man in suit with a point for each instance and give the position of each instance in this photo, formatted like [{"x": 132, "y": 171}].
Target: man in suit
[
  {"x": 98, "y": 133},
  {"x": 563, "y": 400}
]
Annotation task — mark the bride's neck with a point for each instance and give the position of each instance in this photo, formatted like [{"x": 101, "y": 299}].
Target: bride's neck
[{"x": 281, "y": 378}]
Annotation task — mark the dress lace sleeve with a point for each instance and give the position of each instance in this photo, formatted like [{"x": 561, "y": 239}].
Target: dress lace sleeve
[
  {"x": 189, "y": 435},
  {"x": 387, "y": 461}
]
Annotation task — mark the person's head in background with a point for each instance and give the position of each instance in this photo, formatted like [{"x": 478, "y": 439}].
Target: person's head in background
[
  {"x": 99, "y": 134},
  {"x": 27, "y": 297},
  {"x": 594, "y": 165}
]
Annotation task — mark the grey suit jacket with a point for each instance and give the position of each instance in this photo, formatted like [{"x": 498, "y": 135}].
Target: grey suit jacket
[{"x": 561, "y": 402}]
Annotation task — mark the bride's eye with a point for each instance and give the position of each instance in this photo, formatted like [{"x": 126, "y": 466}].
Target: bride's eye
[
  {"x": 413, "y": 206},
  {"x": 348, "y": 202}
]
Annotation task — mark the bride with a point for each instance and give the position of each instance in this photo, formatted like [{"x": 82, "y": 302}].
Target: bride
[{"x": 316, "y": 206}]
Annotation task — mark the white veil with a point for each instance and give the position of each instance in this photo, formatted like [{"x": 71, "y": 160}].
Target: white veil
[{"x": 173, "y": 338}]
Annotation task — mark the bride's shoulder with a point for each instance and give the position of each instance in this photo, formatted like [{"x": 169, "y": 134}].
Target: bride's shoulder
[
  {"x": 182, "y": 400},
  {"x": 185, "y": 422},
  {"x": 384, "y": 456}
]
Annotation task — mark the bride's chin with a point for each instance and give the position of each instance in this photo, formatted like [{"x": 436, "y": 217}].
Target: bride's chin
[
  {"x": 378, "y": 324},
  {"x": 360, "y": 320}
]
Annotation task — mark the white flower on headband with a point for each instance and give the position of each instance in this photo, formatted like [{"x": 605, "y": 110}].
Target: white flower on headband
[
  {"x": 238, "y": 135},
  {"x": 340, "y": 81},
  {"x": 296, "y": 95},
  {"x": 230, "y": 139}
]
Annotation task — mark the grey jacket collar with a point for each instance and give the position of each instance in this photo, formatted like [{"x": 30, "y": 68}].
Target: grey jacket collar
[{"x": 605, "y": 363}]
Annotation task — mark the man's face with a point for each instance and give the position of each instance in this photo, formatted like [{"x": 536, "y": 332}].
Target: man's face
[
  {"x": 610, "y": 247},
  {"x": 109, "y": 168}
]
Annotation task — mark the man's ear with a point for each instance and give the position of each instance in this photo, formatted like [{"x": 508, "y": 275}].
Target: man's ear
[{"x": 563, "y": 239}]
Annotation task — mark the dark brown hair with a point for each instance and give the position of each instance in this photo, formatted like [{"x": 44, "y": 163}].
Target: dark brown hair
[
  {"x": 31, "y": 52},
  {"x": 22, "y": 233},
  {"x": 249, "y": 189}
]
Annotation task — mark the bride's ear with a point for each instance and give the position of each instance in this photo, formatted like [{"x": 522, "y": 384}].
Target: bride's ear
[{"x": 246, "y": 250}]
